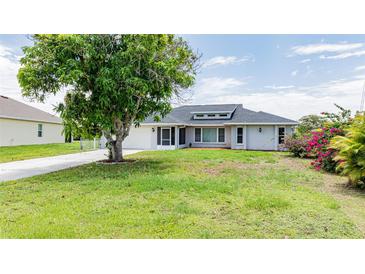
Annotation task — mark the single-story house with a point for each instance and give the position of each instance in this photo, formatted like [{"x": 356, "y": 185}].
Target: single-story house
[
  {"x": 214, "y": 126},
  {"x": 21, "y": 124}
]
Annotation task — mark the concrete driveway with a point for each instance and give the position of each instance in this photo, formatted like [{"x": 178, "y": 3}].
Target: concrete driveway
[{"x": 28, "y": 168}]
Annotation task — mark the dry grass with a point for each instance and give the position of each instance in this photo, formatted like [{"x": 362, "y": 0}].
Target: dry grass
[{"x": 352, "y": 200}]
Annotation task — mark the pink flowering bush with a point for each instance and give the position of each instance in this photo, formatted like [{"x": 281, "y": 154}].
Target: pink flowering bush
[{"x": 318, "y": 147}]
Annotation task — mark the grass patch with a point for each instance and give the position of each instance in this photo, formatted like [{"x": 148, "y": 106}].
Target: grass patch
[
  {"x": 17, "y": 153},
  {"x": 175, "y": 194}
]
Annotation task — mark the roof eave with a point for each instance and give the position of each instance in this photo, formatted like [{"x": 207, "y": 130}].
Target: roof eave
[{"x": 29, "y": 120}]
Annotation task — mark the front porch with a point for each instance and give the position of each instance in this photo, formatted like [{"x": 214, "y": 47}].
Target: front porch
[
  {"x": 250, "y": 137},
  {"x": 175, "y": 137}
]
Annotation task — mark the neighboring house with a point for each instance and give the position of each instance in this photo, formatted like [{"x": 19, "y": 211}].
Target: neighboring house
[
  {"x": 223, "y": 126},
  {"x": 21, "y": 124}
]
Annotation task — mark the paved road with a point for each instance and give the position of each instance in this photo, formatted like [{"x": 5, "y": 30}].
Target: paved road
[{"x": 28, "y": 168}]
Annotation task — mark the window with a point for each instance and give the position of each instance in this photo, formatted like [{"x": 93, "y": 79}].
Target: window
[
  {"x": 281, "y": 135},
  {"x": 239, "y": 135},
  {"x": 198, "y": 135},
  {"x": 209, "y": 135},
  {"x": 173, "y": 136},
  {"x": 199, "y": 115},
  {"x": 223, "y": 115},
  {"x": 211, "y": 115},
  {"x": 181, "y": 136},
  {"x": 158, "y": 136},
  {"x": 40, "y": 130},
  {"x": 221, "y": 136}
]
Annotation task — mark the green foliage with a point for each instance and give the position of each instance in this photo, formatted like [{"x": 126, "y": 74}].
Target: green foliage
[
  {"x": 351, "y": 150},
  {"x": 337, "y": 120},
  {"x": 308, "y": 123},
  {"x": 112, "y": 81}
]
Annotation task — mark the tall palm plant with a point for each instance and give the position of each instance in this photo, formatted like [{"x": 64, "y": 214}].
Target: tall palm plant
[{"x": 351, "y": 150}]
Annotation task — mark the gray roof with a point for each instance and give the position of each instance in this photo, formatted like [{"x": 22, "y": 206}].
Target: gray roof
[
  {"x": 12, "y": 109},
  {"x": 183, "y": 115}
]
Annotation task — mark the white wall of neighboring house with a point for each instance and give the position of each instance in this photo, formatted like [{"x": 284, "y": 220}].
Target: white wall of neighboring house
[{"x": 19, "y": 132}]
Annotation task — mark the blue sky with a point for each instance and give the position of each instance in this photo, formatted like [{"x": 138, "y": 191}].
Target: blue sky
[{"x": 288, "y": 75}]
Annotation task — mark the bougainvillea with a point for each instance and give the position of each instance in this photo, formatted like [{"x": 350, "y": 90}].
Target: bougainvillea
[{"x": 318, "y": 147}]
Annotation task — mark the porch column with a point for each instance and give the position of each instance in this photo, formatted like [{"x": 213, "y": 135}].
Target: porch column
[
  {"x": 276, "y": 137},
  {"x": 245, "y": 138}
]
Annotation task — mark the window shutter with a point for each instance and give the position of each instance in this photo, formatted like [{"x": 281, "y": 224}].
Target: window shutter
[
  {"x": 173, "y": 136},
  {"x": 158, "y": 136},
  {"x": 221, "y": 133},
  {"x": 239, "y": 135},
  {"x": 197, "y": 134}
]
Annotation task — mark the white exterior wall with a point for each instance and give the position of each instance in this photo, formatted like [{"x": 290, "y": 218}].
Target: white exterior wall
[
  {"x": 19, "y": 132},
  {"x": 190, "y": 138},
  {"x": 142, "y": 137},
  {"x": 264, "y": 140},
  {"x": 234, "y": 144},
  {"x": 268, "y": 139}
]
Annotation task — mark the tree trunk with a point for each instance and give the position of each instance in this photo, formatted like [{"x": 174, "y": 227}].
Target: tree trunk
[
  {"x": 121, "y": 132},
  {"x": 117, "y": 151}
]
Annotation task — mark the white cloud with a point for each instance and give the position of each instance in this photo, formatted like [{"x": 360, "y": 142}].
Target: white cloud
[
  {"x": 226, "y": 60},
  {"x": 9, "y": 65},
  {"x": 294, "y": 73},
  {"x": 344, "y": 55},
  {"x": 5, "y": 51},
  {"x": 215, "y": 87},
  {"x": 305, "y": 61},
  {"x": 359, "y": 77},
  {"x": 291, "y": 103},
  {"x": 322, "y": 48},
  {"x": 279, "y": 87},
  {"x": 359, "y": 68}
]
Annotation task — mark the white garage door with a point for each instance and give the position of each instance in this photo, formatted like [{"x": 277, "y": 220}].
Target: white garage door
[
  {"x": 139, "y": 138},
  {"x": 261, "y": 137}
]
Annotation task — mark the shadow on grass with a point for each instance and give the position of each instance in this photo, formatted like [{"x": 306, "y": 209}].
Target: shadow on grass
[{"x": 97, "y": 171}]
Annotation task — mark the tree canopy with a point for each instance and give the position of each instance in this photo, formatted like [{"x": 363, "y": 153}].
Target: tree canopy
[{"x": 112, "y": 81}]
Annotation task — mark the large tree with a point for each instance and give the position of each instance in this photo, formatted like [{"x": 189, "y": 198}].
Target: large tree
[
  {"x": 310, "y": 122},
  {"x": 113, "y": 81}
]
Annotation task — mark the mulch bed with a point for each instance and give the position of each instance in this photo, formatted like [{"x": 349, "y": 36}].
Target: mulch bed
[{"x": 110, "y": 162}]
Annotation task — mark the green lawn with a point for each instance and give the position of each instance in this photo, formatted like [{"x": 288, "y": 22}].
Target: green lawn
[
  {"x": 177, "y": 194},
  {"x": 16, "y": 153}
]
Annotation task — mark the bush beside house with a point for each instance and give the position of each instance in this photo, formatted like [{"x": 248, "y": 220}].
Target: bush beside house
[{"x": 338, "y": 146}]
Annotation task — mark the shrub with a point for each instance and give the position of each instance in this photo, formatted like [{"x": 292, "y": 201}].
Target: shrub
[
  {"x": 296, "y": 145},
  {"x": 318, "y": 148},
  {"x": 351, "y": 151}
]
